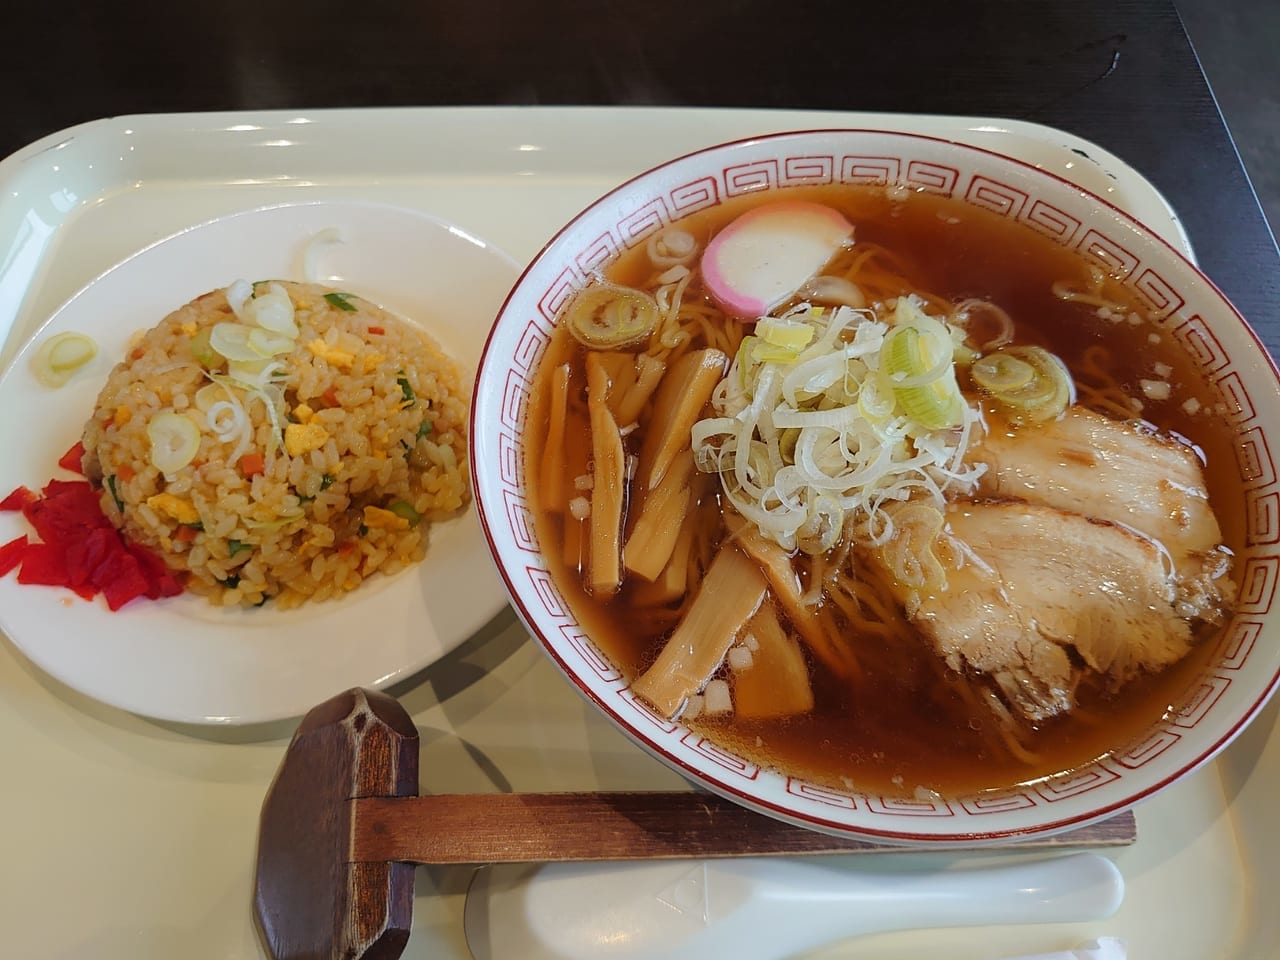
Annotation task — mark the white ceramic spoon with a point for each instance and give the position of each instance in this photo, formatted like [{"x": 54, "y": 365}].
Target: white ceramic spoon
[{"x": 760, "y": 909}]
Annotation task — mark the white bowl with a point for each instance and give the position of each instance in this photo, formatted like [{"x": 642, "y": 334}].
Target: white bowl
[{"x": 1185, "y": 304}]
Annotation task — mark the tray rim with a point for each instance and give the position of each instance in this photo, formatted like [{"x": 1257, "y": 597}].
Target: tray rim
[{"x": 210, "y": 138}]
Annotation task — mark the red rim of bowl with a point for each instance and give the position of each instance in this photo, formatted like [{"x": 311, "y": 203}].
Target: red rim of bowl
[{"x": 701, "y": 777}]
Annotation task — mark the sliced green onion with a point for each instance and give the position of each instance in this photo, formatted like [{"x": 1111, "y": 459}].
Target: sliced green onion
[
  {"x": 763, "y": 351},
  {"x": 203, "y": 352},
  {"x": 326, "y": 482},
  {"x": 235, "y": 546},
  {"x": 267, "y": 344},
  {"x": 1030, "y": 383},
  {"x": 916, "y": 358},
  {"x": 808, "y": 445},
  {"x": 175, "y": 440},
  {"x": 1002, "y": 373},
  {"x": 231, "y": 339},
  {"x": 281, "y": 521},
  {"x": 792, "y": 335},
  {"x": 249, "y": 373},
  {"x": 342, "y": 301},
  {"x": 875, "y": 402},
  {"x": 604, "y": 316},
  {"x": 238, "y": 294},
  {"x": 273, "y": 311},
  {"x": 423, "y": 429},
  {"x": 62, "y": 355},
  {"x": 111, "y": 485},
  {"x": 406, "y": 391},
  {"x": 402, "y": 508}
]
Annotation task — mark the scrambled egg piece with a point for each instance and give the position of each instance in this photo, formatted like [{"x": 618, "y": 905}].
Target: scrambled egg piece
[
  {"x": 300, "y": 438},
  {"x": 342, "y": 359},
  {"x": 375, "y": 518},
  {"x": 184, "y": 511},
  {"x": 303, "y": 412}
]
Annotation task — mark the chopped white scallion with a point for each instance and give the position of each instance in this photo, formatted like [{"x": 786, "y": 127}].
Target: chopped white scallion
[
  {"x": 739, "y": 658},
  {"x": 580, "y": 508},
  {"x": 255, "y": 374},
  {"x": 716, "y": 698},
  {"x": 226, "y": 419},
  {"x": 238, "y": 294},
  {"x": 210, "y": 394},
  {"x": 809, "y": 433},
  {"x": 671, "y": 248},
  {"x": 1155, "y": 389},
  {"x": 273, "y": 311}
]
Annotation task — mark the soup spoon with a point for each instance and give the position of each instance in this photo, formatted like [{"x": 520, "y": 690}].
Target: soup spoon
[{"x": 760, "y": 908}]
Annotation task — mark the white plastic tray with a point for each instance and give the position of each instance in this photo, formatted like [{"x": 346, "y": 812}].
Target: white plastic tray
[{"x": 131, "y": 839}]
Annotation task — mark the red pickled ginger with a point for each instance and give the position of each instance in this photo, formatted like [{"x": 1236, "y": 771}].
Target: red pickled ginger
[{"x": 80, "y": 549}]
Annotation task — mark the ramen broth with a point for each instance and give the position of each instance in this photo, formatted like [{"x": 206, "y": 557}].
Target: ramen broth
[{"x": 909, "y": 724}]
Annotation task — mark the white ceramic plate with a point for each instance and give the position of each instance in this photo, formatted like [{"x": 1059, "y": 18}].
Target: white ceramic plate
[{"x": 183, "y": 659}]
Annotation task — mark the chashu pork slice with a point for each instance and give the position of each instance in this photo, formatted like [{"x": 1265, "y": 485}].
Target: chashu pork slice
[
  {"x": 1034, "y": 595},
  {"x": 1106, "y": 469}
]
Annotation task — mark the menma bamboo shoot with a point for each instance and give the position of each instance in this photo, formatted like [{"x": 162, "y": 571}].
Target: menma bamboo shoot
[
  {"x": 653, "y": 536},
  {"x": 683, "y": 393},
  {"x": 649, "y": 371},
  {"x": 673, "y": 582},
  {"x": 775, "y": 562},
  {"x": 731, "y": 591},
  {"x": 554, "y": 482},
  {"x": 777, "y": 682},
  {"x": 608, "y": 491}
]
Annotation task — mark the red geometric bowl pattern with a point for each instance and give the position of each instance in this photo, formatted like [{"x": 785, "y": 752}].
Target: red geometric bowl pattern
[{"x": 1181, "y": 301}]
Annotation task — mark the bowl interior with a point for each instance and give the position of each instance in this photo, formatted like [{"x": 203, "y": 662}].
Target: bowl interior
[{"x": 1182, "y": 304}]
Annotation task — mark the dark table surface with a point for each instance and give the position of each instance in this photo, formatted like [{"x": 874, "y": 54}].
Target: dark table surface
[{"x": 1118, "y": 72}]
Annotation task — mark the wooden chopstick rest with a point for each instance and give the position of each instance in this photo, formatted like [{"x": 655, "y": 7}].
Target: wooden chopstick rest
[{"x": 342, "y": 827}]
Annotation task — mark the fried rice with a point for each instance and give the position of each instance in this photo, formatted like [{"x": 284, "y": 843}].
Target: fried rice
[{"x": 311, "y": 467}]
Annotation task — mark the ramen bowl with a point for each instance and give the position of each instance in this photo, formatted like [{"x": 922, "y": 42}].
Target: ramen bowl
[{"x": 1235, "y": 665}]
